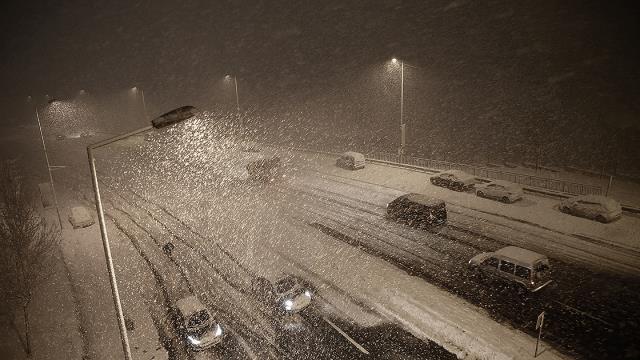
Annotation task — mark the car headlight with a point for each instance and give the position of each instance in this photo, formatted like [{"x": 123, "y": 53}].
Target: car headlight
[
  {"x": 307, "y": 293},
  {"x": 218, "y": 331},
  {"x": 193, "y": 340},
  {"x": 288, "y": 304}
]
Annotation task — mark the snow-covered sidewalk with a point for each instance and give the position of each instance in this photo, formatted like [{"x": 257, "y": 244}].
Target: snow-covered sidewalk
[
  {"x": 54, "y": 318},
  {"x": 619, "y": 237}
]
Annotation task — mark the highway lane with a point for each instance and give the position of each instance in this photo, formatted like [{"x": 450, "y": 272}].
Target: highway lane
[
  {"x": 591, "y": 312},
  {"x": 321, "y": 337}
]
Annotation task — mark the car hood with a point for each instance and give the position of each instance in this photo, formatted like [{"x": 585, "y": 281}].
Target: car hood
[{"x": 476, "y": 260}]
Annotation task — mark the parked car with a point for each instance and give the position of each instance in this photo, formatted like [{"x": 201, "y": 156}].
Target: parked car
[
  {"x": 596, "y": 207},
  {"x": 504, "y": 191},
  {"x": 195, "y": 325},
  {"x": 454, "y": 179},
  {"x": 286, "y": 293},
  {"x": 527, "y": 269},
  {"x": 418, "y": 210},
  {"x": 351, "y": 160}
]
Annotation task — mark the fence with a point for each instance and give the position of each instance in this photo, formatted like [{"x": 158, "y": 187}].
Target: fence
[{"x": 489, "y": 173}]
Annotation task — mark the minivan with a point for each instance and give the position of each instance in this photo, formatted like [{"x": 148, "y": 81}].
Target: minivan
[
  {"x": 524, "y": 268},
  {"x": 417, "y": 210}
]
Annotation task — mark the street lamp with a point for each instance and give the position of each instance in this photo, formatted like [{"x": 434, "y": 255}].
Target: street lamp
[
  {"x": 164, "y": 120},
  {"x": 235, "y": 81},
  {"x": 144, "y": 105},
  {"x": 46, "y": 156},
  {"x": 401, "y": 149}
]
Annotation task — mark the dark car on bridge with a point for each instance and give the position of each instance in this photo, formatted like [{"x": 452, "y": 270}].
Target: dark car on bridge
[
  {"x": 454, "y": 179},
  {"x": 418, "y": 210},
  {"x": 287, "y": 293}
]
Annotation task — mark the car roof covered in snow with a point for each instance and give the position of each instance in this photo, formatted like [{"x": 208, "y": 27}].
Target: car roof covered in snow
[
  {"x": 423, "y": 199},
  {"x": 459, "y": 174},
  {"x": 607, "y": 202},
  {"x": 504, "y": 183},
  {"x": 353, "y": 153},
  {"x": 189, "y": 305},
  {"x": 521, "y": 256}
]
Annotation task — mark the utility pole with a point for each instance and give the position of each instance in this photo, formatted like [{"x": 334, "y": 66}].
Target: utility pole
[
  {"x": 144, "y": 105},
  {"x": 46, "y": 156},
  {"x": 402, "y": 125}
]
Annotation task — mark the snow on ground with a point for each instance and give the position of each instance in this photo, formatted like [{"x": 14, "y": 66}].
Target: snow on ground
[
  {"x": 424, "y": 309},
  {"x": 614, "y": 240}
]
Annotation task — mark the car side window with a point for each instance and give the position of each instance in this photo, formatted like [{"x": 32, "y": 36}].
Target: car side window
[
  {"x": 507, "y": 267},
  {"x": 493, "y": 262},
  {"x": 523, "y": 272}
]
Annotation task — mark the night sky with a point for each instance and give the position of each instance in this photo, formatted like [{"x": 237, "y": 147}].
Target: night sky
[{"x": 586, "y": 51}]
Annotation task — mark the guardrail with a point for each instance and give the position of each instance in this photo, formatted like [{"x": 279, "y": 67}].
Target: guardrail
[{"x": 490, "y": 173}]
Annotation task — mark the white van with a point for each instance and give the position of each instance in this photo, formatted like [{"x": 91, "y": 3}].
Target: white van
[{"x": 351, "y": 160}]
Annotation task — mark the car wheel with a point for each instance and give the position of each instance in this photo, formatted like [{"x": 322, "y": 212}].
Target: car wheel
[
  {"x": 505, "y": 200},
  {"x": 601, "y": 219},
  {"x": 480, "y": 194},
  {"x": 564, "y": 209}
]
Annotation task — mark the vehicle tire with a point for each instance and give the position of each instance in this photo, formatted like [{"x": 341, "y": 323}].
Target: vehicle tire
[
  {"x": 480, "y": 194},
  {"x": 601, "y": 219},
  {"x": 505, "y": 200},
  {"x": 564, "y": 209}
]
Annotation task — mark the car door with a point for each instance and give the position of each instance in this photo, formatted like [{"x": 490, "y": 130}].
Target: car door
[
  {"x": 506, "y": 270},
  {"x": 499, "y": 191},
  {"x": 587, "y": 209},
  {"x": 490, "y": 190},
  {"x": 490, "y": 266}
]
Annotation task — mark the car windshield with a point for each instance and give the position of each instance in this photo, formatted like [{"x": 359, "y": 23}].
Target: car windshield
[
  {"x": 286, "y": 284},
  {"x": 199, "y": 319},
  {"x": 342, "y": 167}
]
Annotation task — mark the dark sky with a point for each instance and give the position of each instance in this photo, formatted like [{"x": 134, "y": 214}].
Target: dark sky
[{"x": 177, "y": 51}]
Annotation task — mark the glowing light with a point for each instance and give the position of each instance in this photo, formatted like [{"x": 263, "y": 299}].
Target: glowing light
[
  {"x": 394, "y": 60},
  {"x": 288, "y": 305},
  {"x": 193, "y": 340}
]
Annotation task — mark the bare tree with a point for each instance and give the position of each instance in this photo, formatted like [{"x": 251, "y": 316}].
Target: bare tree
[{"x": 28, "y": 243}]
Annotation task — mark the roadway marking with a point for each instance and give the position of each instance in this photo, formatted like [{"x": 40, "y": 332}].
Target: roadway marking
[{"x": 358, "y": 346}]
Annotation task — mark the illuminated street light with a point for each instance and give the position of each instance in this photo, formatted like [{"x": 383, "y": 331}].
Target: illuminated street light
[
  {"x": 402, "y": 148},
  {"x": 164, "y": 120},
  {"x": 135, "y": 90},
  {"x": 49, "y": 166},
  {"x": 235, "y": 81}
]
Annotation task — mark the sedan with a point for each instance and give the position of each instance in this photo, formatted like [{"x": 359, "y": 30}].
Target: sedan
[
  {"x": 500, "y": 190},
  {"x": 595, "y": 207},
  {"x": 454, "y": 179},
  {"x": 288, "y": 294}
]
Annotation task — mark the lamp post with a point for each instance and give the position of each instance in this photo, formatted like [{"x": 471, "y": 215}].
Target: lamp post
[
  {"x": 46, "y": 156},
  {"x": 235, "y": 82},
  {"x": 165, "y": 120},
  {"x": 144, "y": 104},
  {"x": 403, "y": 126}
]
